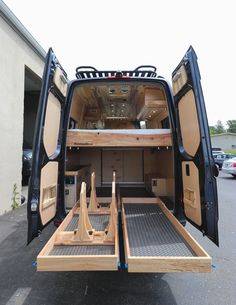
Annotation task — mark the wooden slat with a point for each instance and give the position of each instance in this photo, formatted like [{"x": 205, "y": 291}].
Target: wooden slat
[
  {"x": 78, "y": 138},
  {"x": 77, "y": 263},
  {"x": 125, "y": 236},
  {"x": 169, "y": 264},
  {"x": 140, "y": 200}
]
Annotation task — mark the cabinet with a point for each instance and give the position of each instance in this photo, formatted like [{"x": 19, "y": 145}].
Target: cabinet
[{"x": 73, "y": 180}]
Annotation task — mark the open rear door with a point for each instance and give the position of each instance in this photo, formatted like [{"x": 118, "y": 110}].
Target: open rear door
[
  {"x": 194, "y": 158},
  {"x": 45, "y": 183}
]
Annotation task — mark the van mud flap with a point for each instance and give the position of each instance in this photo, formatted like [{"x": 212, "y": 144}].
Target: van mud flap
[{"x": 155, "y": 241}]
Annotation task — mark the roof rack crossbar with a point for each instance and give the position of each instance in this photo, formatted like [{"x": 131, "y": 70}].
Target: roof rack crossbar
[{"x": 84, "y": 72}]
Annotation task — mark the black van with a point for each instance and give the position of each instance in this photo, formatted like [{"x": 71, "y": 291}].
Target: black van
[{"x": 148, "y": 149}]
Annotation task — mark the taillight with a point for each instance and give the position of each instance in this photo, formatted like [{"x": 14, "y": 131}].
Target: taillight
[{"x": 234, "y": 165}]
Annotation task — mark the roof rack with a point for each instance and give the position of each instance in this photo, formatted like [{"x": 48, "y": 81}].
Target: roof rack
[{"x": 84, "y": 72}]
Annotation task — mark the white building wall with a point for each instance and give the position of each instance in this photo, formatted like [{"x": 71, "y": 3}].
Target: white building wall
[
  {"x": 15, "y": 53},
  {"x": 224, "y": 141}
]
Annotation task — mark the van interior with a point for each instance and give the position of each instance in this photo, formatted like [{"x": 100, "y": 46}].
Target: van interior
[{"x": 110, "y": 113}]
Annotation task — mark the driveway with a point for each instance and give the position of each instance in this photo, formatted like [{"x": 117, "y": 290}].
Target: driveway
[{"x": 21, "y": 284}]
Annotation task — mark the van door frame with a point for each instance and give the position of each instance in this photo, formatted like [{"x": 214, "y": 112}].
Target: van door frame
[
  {"x": 201, "y": 158},
  {"x": 40, "y": 157}
]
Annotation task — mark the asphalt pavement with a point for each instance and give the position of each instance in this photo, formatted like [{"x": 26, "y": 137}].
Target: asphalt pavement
[{"x": 20, "y": 284}]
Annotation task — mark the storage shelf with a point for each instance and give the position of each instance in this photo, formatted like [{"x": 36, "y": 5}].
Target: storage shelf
[{"x": 119, "y": 138}]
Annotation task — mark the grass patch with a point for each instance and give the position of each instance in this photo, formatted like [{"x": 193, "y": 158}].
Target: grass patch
[{"x": 230, "y": 151}]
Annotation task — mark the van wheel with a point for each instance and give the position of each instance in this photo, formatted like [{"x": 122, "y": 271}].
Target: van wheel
[{"x": 234, "y": 176}]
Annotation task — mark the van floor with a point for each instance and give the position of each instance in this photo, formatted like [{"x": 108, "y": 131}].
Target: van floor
[
  {"x": 125, "y": 191},
  {"x": 131, "y": 191}
]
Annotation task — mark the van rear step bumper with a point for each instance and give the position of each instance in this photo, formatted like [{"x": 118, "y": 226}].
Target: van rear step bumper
[{"x": 156, "y": 242}]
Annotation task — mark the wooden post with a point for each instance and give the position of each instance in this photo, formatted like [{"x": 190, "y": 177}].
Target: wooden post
[
  {"x": 93, "y": 203},
  {"x": 84, "y": 225},
  {"x": 112, "y": 220}
]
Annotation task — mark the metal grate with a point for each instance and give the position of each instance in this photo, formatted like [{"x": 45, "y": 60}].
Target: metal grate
[
  {"x": 99, "y": 222},
  {"x": 150, "y": 232},
  {"x": 83, "y": 250}
]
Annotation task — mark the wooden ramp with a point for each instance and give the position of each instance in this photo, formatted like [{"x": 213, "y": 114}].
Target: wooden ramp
[{"x": 156, "y": 242}]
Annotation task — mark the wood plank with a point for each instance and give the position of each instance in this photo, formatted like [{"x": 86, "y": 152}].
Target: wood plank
[
  {"x": 140, "y": 200},
  {"x": 66, "y": 239},
  {"x": 169, "y": 264},
  {"x": 80, "y": 172},
  {"x": 83, "y": 138},
  {"x": 125, "y": 235},
  {"x": 77, "y": 263}
]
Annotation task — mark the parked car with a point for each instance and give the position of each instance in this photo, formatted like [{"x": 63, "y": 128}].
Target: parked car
[
  {"x": 220, "y": 158},
  {"x": 229, "y": 167},
  {"x": 217, "y": 152},
  {"x": 26, "y": 164}
]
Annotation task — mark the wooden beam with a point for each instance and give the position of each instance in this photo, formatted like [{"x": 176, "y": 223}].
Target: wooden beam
[
  {"x": 84, "y": 225},
  {"x": 83, "y": 138},
  {"x": 140, "y": 200},
  {"x": 93, "y": 203},
  {"x": 77, "y": 262},
  {"x": 169, "y": 264},
  {"x": 111, "y": 229}
]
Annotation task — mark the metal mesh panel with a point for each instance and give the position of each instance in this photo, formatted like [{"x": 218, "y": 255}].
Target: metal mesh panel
[
  {"x": 83, "y": 250},
  {"x": 98, "y": 222},
  {"x": 150, "y": 232}
]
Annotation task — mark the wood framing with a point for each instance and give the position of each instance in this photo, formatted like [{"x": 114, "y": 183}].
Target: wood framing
[
  {"x": 107, "y": 138},
  {"x": 200, "y": 262},
  {"x": 93, "y": 203},
  {"x": 62, "y": 237}
]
